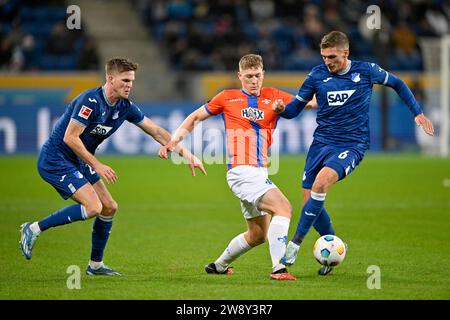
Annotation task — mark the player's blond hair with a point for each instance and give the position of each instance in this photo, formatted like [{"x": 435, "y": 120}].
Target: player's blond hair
[
  {"x": 334, "y": 39},
  {"x": 120, "y": 65},
  {"x": 251, "y": 61}
]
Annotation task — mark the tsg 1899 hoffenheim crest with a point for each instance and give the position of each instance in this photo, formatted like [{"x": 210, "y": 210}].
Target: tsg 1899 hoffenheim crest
[{"x": 355, "y": 77}]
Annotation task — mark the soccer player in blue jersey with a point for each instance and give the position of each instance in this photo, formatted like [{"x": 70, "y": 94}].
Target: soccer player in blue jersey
[
  {"x": 67, "y": 160},
  {"x": 343, "y": 89}
]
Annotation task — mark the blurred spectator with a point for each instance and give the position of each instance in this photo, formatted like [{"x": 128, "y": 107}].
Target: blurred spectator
[
  {"x": 6, "y": 51},
  {"x": 16, "y": 34},
  {"x": 14, "y": 46},
  {"x": 405, "y": 42},
  {"x": 437, "y": 20},
  {"x": 351, "y": 10},
  {"x": 216, "y": 61},
  {"x": 88, "y": 59},
  {"x": 154, "y": 13},
  {"x": 313, "y": 25},
  {"x": 331, "y": 16},
  {"x": 268, "y": 47},
  {"x": 61, "y": 40},
  {"x": 201, "y": 9},
  {"x": 425, "y": 29},
  {"x": 262, "y": 9},
  {"x": 405, "y": 12},
  {"x": 192, "y": 60}
]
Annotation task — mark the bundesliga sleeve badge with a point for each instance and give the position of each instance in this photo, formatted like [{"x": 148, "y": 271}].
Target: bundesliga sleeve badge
[{"x": 85, "y": 112}]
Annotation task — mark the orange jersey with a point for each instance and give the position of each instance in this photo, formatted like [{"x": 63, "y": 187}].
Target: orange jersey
[{"x": 249, "y": 123}]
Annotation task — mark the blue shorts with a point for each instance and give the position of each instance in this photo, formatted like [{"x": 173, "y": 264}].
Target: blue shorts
[
  {"x": 65, "y": 176},
  {"x": 341, "y": 159}
]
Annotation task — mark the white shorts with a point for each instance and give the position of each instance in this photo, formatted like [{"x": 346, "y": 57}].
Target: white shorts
[{"x": 249, "y": 184}]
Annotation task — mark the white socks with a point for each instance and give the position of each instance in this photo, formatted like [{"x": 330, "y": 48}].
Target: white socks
[
  {"x": 277, "y": 236},
  {"x": 237, "y": 247},
  {"x": 95, "y": 265},
  {"x": 35, "y": 228},
  {"x": 318, "y": 196}
]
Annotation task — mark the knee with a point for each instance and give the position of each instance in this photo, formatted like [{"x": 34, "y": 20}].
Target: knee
[
  {"x": 320, "y": 186},
  {"x": 93, "y": 209},
  {"x": 284, "y": 209},
  {"x": 257, "y": 238},
  {"x": 324, "y": 180},
  {"x": 110, "y": 208},
  {"x": 288, "y": 209}
]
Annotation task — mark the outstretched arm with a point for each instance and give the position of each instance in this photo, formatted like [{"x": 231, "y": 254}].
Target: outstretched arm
[
  {"x": 305, "y": 99},
  {"x": 292, "y": 109},
  {"x": 408, "y": 98},
  {"x": 163, "y": 137},
  {"x": 156, "y": 132},
  {"x": 183, "y": 130}
]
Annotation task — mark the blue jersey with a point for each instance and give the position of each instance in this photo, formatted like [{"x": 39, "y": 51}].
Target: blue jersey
[
  {"x": 100, "y": 119},
  {"x": 343, "y": 102}
]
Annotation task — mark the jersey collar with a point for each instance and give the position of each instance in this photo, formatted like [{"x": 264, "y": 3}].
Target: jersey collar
[
  {"x": 349, "y": 65},
  {"x": 106, "y": 99},
  {"x": 250, "y": 95}
]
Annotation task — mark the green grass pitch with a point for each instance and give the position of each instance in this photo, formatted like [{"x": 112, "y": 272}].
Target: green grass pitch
[{"x": 393, "y": 211}]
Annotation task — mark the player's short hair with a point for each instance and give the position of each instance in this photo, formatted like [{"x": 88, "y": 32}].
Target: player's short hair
[
  {"x": 120, "y": 65},
  {"x": 334, "y": 39},
  {"x": 251, "y": 61}
]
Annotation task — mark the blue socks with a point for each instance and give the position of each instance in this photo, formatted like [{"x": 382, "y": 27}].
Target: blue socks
[
  {"x": 66, "y": 215},
  {"x": 100, "y": 229},
  {"x": 323, "y": 224},
  {"x": 310, "y": 212},
  {"x": 100, "y": 234}
]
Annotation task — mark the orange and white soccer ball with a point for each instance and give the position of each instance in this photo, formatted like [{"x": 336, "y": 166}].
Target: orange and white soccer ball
[{"x": 329, "y": 250}]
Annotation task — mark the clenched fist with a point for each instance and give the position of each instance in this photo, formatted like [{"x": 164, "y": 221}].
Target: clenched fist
[{"x": 278, "y": 106}]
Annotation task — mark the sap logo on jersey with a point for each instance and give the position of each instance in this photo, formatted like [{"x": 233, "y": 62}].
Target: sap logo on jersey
[
  {"x": 252, "y": 114},
  {"x": 101, "y": 130},
  {"x": 338, "y": 98}
]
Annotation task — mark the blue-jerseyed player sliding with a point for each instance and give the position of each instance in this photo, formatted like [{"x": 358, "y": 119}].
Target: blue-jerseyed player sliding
[
  {"x": 343, "y": 90},
  {"x": 67, "y": 160}
]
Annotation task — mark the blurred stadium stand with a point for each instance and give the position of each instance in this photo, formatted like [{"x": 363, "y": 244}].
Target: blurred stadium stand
[
  {"x": 201, "y": 35},
  {"x": 212, "y": 35},
  {"x": 34, "y": 37},
  {"x": 118, "y": 31}
]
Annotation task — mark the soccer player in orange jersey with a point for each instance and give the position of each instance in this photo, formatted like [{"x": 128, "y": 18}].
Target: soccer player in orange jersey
[{"x": 249, "y": 122}]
